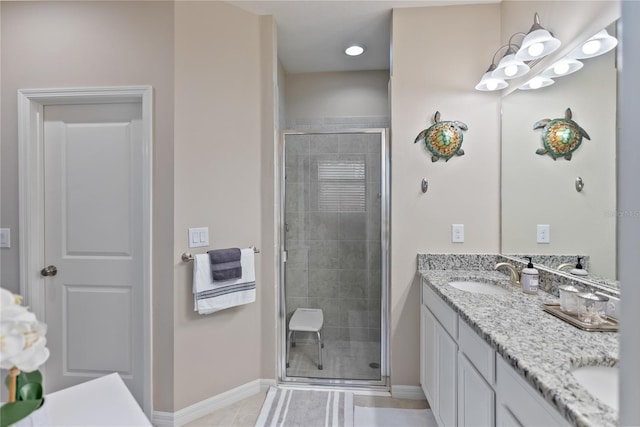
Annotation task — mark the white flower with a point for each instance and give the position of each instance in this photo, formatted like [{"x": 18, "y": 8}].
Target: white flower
[{"x": 22, "y": 336}]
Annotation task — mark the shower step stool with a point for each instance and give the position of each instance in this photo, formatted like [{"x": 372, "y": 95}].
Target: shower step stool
[{"x": 306, "y": 320}]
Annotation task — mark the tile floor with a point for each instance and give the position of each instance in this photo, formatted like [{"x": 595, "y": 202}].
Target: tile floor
[
  {"x": 340, "y": 359},
  {"x": 245, "y": 413}
]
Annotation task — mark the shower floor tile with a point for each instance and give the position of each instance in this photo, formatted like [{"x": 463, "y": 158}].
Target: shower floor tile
[{"x": 340, "y": 359}]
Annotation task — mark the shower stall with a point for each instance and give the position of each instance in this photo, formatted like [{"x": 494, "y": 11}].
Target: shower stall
[{"x": 334, "y": 226}]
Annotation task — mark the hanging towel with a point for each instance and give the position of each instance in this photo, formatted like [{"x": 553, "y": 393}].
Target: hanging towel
[
  {"x": 210, "y": 296},
  {"x": 225, "y": 264}
]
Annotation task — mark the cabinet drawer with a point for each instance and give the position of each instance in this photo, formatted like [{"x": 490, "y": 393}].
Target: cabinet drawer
[
  {"x": 477, "y": 351},
  {"x": 445, "y": 314},
  {"x": 518, "y": 400}
]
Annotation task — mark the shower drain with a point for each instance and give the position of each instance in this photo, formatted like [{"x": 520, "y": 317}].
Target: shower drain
[{"x": 374, "y": 365}]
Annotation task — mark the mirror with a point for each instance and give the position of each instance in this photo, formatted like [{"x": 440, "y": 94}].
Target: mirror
[{"x": 538, "y": 190}]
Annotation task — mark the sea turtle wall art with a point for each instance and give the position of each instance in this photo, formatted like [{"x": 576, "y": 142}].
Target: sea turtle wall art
[
  {"x": 560, "y": 137},
  {"x": 443, "y": 139}
]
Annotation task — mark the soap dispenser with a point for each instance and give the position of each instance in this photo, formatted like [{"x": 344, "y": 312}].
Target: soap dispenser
[
  {"x": 579, "y": 270},
  {"x": 529, "y": 278}
]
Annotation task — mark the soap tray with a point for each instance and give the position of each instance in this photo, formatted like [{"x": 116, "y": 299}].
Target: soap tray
[{"x": 611, "y": 325}]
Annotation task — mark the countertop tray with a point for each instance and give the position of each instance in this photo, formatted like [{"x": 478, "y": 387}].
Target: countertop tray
[{"x": 611, "y": 325}]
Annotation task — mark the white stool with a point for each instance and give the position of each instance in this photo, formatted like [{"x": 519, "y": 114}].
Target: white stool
[{"x": 306, "y": 320}]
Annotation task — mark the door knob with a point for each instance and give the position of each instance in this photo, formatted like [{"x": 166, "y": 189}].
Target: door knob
[{"x": 49, "y": 271}]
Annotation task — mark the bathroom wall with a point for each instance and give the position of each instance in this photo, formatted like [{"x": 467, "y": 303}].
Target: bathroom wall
[
  {"x": 281, "y": 83},
  {"x": 71, "y": 44},
  {"x": 271, "y": 99},
  {"x": 337, "y": 100},
  {"x": 629, "y": 211},
  {"x": 220, "y": 134},
  {"x": 333, "y": 244},
  {"x": 439, "y": 55}
]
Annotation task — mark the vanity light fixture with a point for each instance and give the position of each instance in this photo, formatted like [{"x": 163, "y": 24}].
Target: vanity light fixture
[
  {"x": 509, "y": 67},
  {"x": 355, "y": 50},
  {"x": 563, "y": 67},
  {"x": 536, "y": 83},
  {"x": 598, "y": 44},
  {"x": 489, "y": 80},
  {"x": 537, "y": 43}
]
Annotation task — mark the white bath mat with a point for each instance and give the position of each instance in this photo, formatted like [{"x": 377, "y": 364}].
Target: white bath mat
[
  {"x": 306, "y": 408},
  {"x": 392, "y": 417}
]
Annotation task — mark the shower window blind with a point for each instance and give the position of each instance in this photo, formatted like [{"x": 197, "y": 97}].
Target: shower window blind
[{"x": 341, "y": 185}]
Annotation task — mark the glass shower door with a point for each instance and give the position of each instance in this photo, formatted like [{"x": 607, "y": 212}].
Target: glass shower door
[{"x": 333, "y": 189}]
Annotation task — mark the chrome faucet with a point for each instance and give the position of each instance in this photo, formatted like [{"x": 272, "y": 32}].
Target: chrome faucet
[{"x": 513, "y": 272}]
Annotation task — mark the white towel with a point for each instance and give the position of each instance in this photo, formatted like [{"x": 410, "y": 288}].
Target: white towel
[{"x": 210, "y": 296}]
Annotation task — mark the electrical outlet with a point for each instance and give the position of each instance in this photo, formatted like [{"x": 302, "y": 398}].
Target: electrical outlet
[
  {"x": 613, "y": 306},
  {"x": 457, "y": 233},
  {"x": 542, "y": 233}
]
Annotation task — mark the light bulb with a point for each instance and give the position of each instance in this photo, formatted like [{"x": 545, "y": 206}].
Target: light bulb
[
  {"x": 354, "y": 50},
  {"x": 492, "y": 85},
  {"x": 536, "y": 49},
  {"x": 510, "y": 70},
  {"x": 591, "y": 47},
  {"x": 561, "y": 68},
  {"x": 535, "y": 83}
]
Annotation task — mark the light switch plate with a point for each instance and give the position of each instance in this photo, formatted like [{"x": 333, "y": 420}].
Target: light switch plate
[
  {"x": 457, "y": 233},
  {"x": 5, "y": 238},
  {"x": 198, "y": 237},
  {"x": 542, "y": 233}
]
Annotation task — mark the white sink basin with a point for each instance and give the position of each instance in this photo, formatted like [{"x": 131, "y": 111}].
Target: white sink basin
[
  {"x": 478, "y": 287},
  {"x": 601, "y": 382}
]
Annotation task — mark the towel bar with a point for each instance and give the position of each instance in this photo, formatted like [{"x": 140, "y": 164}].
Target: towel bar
[{"x": 186, "y": 256}]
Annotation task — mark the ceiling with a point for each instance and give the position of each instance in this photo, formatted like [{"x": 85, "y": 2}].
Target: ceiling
[{"x": 312, "y": 35}]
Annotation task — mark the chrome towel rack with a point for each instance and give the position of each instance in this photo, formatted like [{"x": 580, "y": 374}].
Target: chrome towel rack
[{"x": 186, "y": 256}]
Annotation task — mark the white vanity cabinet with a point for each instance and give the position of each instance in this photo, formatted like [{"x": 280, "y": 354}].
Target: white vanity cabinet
[
  {"x": 428, "y": 354},
  {"x": 466, "y": 382},
  {"x": 518, "y": 404},
  {"x": 475, "y": 397},
  {"x": 438, "y": 362},
  {"x": 476, "y": 378}
]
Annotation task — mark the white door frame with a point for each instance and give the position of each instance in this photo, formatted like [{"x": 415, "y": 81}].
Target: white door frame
[{"x": 31, "y": 103}]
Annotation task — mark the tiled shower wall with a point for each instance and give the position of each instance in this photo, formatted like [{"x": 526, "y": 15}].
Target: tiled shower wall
[{"x": 333, "y": 231}]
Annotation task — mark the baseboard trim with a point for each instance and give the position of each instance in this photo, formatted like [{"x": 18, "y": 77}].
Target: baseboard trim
[
  {"x": 205, "y": 407},
  {"x": 407, "y": 392}
]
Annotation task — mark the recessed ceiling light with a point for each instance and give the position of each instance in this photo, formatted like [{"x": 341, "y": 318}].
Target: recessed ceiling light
[{"x": 354, "y": 50}]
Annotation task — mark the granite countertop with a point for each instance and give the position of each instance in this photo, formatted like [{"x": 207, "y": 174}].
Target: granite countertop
[{"x": 539, "y": 346}]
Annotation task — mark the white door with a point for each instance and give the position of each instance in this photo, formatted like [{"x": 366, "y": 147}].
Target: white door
[{"x": 93, "y": 222}]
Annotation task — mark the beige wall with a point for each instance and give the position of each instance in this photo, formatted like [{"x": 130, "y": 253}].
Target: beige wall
[
  {"x": 430, "y": 75},
  {"x": 218, "y": 174},
  {"x": 71, "y": 44},
  {"x": 629, "y": 209},
  {"x": 281, "y": 82},
  {"x": 270, "y": 123},
  {"x": 335, "y": 94}
]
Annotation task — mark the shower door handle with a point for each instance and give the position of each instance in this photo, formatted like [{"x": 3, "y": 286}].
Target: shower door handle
[{"x": 284, "y": 256}]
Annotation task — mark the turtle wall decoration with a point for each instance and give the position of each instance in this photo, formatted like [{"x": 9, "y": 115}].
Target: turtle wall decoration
[
  {"x": 443, "y": 139},
  {"x": 560, "y": 137}
]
